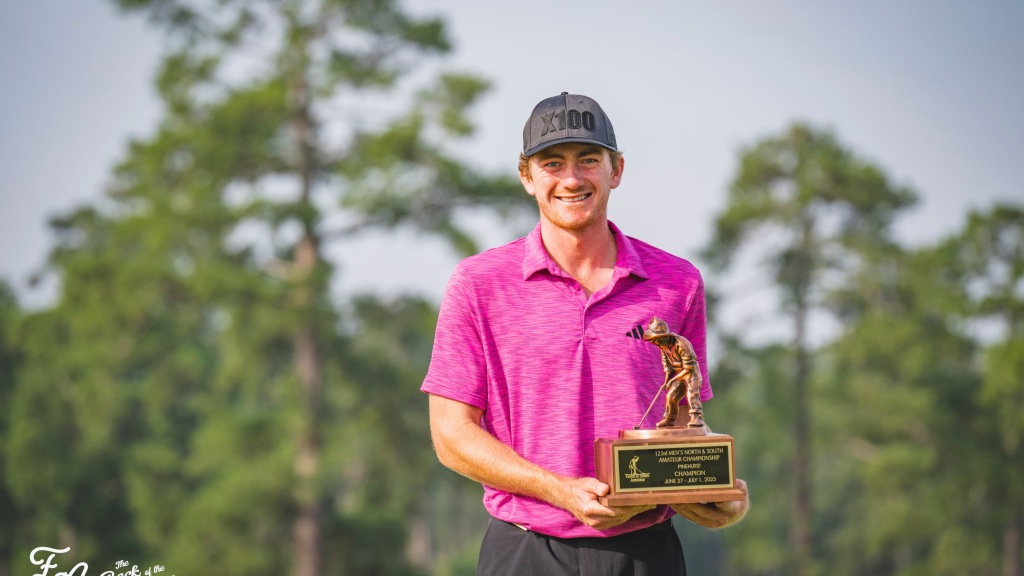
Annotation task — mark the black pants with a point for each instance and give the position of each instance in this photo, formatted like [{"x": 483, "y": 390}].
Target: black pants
[{"x": 508, "y": 550}]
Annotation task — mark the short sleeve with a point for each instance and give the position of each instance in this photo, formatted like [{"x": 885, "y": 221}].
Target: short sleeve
[{"x": 458, "y": 365}]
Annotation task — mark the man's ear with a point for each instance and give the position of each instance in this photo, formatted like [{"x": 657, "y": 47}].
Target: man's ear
[
  {"x": 617, "y": 173},
  {"x": 527, "y": 181}
]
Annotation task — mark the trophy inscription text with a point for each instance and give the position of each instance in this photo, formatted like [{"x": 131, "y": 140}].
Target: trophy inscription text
[{"x": 673, "y": 467}]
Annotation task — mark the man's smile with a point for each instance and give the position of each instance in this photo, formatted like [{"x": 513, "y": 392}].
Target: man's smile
[{"x": 574, "y": 199}]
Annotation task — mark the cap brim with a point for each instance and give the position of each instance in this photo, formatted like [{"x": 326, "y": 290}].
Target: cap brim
[{"x": 566, "y": 140}]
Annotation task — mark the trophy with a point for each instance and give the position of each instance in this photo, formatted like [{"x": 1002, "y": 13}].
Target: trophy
[{"x": 679, "y": 461}]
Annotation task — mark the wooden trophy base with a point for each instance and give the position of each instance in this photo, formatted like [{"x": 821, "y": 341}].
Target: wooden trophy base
[{"x": 674, "y": 465}]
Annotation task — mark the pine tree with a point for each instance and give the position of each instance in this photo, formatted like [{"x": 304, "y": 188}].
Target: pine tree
[{"x": 808, "y": 204}]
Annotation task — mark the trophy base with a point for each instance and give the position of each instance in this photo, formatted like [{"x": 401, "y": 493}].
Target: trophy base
[{"x": 674, "y": 465}]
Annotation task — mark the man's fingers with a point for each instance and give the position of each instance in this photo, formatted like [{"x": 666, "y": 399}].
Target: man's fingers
[
  {"x": 704, "y": 514},
  {"x": 589, "y": 510},
  {"x": 718, "y": 514},
  {"x": 599, "y": 488}
]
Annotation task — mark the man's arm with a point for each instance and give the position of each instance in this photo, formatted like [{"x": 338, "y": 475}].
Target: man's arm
[{"x": 465, "y": 447}]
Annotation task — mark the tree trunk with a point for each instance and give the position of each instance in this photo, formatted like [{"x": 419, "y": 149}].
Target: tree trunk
[
  {"x": 419, "y": 548},
  {"x": 1011, "y": 545},
  {"x": 306, "y": 531},
  {"x": 307, "y": 528},
  {"x": 802, "y": 512}
]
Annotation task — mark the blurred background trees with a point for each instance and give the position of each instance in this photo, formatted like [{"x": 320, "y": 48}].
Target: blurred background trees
[
  {"x": 200, "y": 396},
  {"x": 867, "y": 425},
  {"x": 813, "y": 208}
]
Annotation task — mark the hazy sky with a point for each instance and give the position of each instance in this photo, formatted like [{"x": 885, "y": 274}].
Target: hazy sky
[{"x": 932, "y": 91}]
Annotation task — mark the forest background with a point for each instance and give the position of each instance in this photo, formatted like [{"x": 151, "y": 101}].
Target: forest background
[{"x": 216, "y": 366}]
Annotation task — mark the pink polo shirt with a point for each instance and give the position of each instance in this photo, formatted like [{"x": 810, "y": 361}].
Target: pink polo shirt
[{"x": 553, "y": 370}]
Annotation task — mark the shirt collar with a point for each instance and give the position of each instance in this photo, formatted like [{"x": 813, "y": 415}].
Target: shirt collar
[{"x": 537, "y": 258}]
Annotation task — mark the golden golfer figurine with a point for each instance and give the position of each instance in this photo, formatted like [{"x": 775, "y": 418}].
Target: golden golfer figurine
[
  {"x": 677, "y": 461},
  {"x": 682, "y": 374}
]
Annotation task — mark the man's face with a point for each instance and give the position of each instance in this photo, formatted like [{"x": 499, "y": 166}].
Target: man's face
[{"x": 571, "y": 183}]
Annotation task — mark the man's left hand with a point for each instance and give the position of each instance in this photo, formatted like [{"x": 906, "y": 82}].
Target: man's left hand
[{"x": 716, "y": 514}]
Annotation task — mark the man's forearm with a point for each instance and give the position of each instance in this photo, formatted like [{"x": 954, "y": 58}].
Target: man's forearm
[{"x": 465, "y": 447}]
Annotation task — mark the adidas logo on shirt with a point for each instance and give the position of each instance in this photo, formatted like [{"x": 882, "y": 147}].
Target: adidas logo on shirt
[{"x": 637, "y": 332}]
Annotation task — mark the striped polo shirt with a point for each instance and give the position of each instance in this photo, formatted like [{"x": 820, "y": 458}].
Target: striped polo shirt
[{"x": 553, "y": 370}]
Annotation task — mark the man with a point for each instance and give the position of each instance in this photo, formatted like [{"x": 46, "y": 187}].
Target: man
[{"x": 538, "y": 352}]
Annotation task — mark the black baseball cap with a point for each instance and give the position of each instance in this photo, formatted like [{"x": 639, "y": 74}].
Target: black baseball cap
[{"x": 567, "y": 118}]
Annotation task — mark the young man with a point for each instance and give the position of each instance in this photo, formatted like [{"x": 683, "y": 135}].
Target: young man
[{"x": 537, "y": 355}]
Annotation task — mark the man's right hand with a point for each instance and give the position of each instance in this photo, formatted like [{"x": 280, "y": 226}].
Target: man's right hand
[{"x": 583, "y": 503}]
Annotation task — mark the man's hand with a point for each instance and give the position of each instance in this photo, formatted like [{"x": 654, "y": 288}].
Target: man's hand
[
  {"x": 716, "y": 514},
  {"x": 582, "y": 502}
]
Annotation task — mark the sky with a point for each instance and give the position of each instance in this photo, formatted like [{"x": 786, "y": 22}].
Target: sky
[{"x": 929, "y": 90}]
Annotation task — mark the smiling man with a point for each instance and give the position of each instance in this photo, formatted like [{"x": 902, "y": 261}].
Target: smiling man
[{"x": 537, "y": 354}]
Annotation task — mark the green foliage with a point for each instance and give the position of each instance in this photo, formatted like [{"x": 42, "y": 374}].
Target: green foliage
[
  {"x": 9, "y": 363},
  {"x": 896, "y": 412},
  {"x": 751, "y": 404},
  {"x": 399, "y": 177},
  {"x": 1002, "y": 390},
  {"x": 821, "y": 199},
  {"x": 991, "y": 250},
  {"x": 914, "y": 416}
]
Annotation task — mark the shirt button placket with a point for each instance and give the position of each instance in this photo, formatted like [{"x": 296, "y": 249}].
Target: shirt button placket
[{"x": 584, "y": 306}]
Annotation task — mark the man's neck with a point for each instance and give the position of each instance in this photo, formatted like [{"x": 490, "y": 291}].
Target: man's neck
[{"x": 587, "y": 255}]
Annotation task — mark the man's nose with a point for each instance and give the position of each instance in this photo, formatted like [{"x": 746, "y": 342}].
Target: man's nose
[{"x": 572, "y": 178}]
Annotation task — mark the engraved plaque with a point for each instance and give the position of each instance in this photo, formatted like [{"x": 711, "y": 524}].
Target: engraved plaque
[{"x": 667, "y": 469}]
